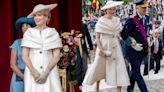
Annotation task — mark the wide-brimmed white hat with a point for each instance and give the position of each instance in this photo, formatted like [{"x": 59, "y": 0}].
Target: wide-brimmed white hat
[
  {"x": 41, "y": 7},
  {"x": 111, "y": 4}
]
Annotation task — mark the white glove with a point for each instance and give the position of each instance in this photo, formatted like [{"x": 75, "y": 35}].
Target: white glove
[
  {"x": 133, "y": 41},
  {"x": 34, "y": 73},
  {"x": 137, "y": 47},
  {"x": 43, "y": 77}
]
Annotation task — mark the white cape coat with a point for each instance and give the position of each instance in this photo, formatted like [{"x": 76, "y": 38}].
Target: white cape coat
[{"x": 41, "y": 44}]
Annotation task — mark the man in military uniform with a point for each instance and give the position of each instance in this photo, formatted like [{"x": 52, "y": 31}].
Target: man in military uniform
[{"x": 134, "y": 34}]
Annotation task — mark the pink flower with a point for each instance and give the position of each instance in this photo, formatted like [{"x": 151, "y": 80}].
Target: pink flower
[{"x": 65, "y": 48}]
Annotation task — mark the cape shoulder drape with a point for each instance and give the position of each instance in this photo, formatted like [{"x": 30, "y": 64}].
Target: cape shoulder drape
[
  {"x": 45, "y": 39},
  {"x": 108, "y": 26}
]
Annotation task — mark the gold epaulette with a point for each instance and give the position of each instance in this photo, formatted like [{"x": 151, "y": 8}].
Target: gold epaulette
[
  {"x": 66, "y": 33},
  {"x": 132, "y": 16},
  {"x": 80, "y": 35}
]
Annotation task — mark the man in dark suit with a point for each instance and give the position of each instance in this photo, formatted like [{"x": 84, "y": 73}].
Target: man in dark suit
[
  {"x": 87, "y": 49},
  {"x": 156, "y": 52},
  {"x": 134, "y": 34}
]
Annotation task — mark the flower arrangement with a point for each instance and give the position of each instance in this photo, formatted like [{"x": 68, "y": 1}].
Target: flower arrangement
[{"x": 68, "y": 52}]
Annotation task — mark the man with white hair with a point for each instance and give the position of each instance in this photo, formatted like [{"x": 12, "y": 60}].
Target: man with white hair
[{"x": 156, "y": 51}]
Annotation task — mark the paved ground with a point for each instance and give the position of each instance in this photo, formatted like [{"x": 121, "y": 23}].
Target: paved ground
[{"x": 155, "y": 82}]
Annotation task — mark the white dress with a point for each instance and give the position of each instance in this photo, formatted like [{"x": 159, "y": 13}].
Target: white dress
[
  {"x": 112, "y": 68},
  {"x": 41, "y": 45}
]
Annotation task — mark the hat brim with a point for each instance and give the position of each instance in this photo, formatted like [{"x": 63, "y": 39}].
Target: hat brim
[
  {"x": 49, "y": 7},
  {"x": 113, "y": 5},
  {"x": 143, "y": 6},
  {"x": 22, "y": 20}
]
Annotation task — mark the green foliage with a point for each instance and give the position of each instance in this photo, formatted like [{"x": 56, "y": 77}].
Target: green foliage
[{"x": 125, "y": 1}]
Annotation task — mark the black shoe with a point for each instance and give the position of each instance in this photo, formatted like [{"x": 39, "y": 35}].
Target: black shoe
[
  {"x": 156, "y": 71},
  {"x": 130, "y": 90},
  {"x": 151, "y": 68}
]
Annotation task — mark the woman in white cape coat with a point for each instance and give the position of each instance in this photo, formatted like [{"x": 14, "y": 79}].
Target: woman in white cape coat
[
  {"x": 41, "y": 50},
  {"x": 109, "y": 63}
]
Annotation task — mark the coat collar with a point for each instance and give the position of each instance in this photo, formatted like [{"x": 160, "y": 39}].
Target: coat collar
[{"x": 139, "y": 16}]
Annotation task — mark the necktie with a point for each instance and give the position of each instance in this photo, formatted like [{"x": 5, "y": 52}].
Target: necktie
[
  {"x": 156, "y": 46},
  {"x": 143, "y": 20}
]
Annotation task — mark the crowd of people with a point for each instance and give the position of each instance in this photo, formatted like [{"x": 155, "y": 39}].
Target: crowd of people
[{"x": 155, "y": 10}]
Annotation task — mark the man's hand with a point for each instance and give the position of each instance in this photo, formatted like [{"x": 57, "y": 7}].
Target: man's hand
[
  {"x": 133, "y": 41},
  {"x": 137, "y": 47}
]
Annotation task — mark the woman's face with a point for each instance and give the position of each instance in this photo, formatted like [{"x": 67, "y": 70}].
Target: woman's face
[
  {"x": 111, "y": 11},
  {"x": 25, "y": 26},
  {"x": 40, "y": 19}
]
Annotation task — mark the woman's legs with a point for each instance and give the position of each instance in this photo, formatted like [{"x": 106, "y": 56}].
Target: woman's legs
[
  {"x": 97, "y": 86},
  {"x": 119, "y": 89}
]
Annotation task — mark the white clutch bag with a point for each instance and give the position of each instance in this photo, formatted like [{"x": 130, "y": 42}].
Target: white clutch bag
[{"x": 105, "y": 53}]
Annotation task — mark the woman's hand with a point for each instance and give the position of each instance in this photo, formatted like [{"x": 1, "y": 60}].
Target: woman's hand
[
  {"x": 107, "y": 53},
  {"x": 55, "y": 58},
  {"x": 27, "y": 61},
  {"x": 34, "y": 73},
  {"x": 43, "y": 77},
  {"x": 102, "y": 53},
  {"x": 13, "y": 64}
]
